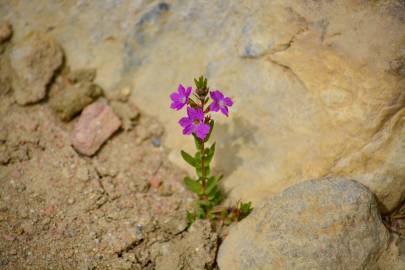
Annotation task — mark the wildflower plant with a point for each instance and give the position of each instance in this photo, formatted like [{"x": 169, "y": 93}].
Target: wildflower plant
[{"x": 199, "y": 105}]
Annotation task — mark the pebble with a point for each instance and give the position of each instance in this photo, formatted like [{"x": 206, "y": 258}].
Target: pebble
[
  {"x": 71, "y": 201},
  {"x": 82, "y": 173},
  {"x": 156, "y": 142},
  {"x": 8, "y": 237},
  {"x": 5, "y": 31},
  {"x": 155, "y": 182},
  {"x": 96, "y": 124}
]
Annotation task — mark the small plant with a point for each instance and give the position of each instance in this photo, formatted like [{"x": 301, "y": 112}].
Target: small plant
[{"x": 199, "y": 124}]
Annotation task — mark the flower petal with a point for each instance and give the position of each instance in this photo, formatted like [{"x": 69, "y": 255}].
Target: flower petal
[
  {"x": 214, "y": 106},
  {"x": 185, "y": 121},
  {"x": 188, "y": 91},
  {"x": 224, "y": 110},
  {"x": 174, "y": 96},
  {"x": 181, "y": 90},
  {"x": 188, "y": 130},
  {"x": 228, "y": 101},
  {"x": 195, "y": 114},
  {"x": 190, "y": 112},
  {"x": 202, "y": 130}
]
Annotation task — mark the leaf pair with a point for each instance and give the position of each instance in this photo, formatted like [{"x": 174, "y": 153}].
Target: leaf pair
[{"x": 193, "y": 186}]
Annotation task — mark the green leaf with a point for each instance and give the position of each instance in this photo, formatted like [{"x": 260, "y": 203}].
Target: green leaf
[
  {"x": 210, "y": 153},
  {"x": 198, "y": 171},
  {"x": 207, "y": 170},
  {"x": 211, "y": 184},
  {"x": 202, "y": 203},
  {"x": 215, "y": 197},
  {"x": 245, "y": 209},
  {"x": 188, "y": 158},
  {"x": 190, "y": 217},
  {"x": 200, "y": 213},
  {"x": 192, "y": 185}
]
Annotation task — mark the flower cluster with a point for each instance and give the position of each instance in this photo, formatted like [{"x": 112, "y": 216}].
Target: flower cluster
[
  {"x": 197, "y": 120},
  {"x": 199, "y": 124}
]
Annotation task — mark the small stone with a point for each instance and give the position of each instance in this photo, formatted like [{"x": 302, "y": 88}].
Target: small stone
[
  {"x": 71, "y": 100},
  {"x": 20, "y": 187},
  {"x": 34, "y": 61},
  {"x": 8, "y": 237},
  {"x": 27, "y": 227},
  {"x": 156, "y": 142},
  {"x": 5, "y": 31},
  {"x": 96, "y": 124},
  {"x": 71, "y": 201},
  {"x": 155, "y": 182},
  {"x": 125, "y": 92},
  {"x": 166, "y": 190},
  {"x": 82, "y": 173}
]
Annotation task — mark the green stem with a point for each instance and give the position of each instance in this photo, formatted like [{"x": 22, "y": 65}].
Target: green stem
[{"x": 203, "y": 173}]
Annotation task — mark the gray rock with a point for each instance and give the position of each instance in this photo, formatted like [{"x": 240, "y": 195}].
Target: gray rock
[
  {"x": 34, "y": 61},
  {"x": 317, "y": 224}
]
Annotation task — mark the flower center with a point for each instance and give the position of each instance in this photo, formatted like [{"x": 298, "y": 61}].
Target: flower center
[
  {"x": 221, "y": 103},
  {"x": 196, "y": 122},
  {"x": 183, "y": 100}
]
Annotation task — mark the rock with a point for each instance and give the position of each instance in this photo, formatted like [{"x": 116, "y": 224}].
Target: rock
[
  {"x": 34, "y": 61},
  {"x": 5, "y": 31},
  {"x": 128, "y": 112},
  {"x": 330, "y": 223},
  {"x": 305, "y": 82},
  {"x": 265, "y": 33},
  {"x": 196, "y": 250},
  {"x": 155, "y": 182},
  {"x": 96, "y": 124},
  {"x": 72, "y": 99}
]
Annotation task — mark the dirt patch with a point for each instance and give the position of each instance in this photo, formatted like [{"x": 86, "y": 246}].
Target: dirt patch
[
  {"x": 123, "y": 208},
  {"x": 62, "y": 210}
]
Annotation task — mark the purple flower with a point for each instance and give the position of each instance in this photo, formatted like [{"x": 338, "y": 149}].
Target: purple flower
[
  {"x": 194, "y": 123},
  {"x": 180, "y": 98},
  {"x": 220, "y": 102}
]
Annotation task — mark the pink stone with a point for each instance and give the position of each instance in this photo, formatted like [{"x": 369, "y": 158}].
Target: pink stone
[
  {"x": 8, "y": 237},
  {"x": 96, "y": 124},
  {"x": 154, "y": 182}
]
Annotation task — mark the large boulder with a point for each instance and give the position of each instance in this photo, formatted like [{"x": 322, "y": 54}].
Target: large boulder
[
  {"x": 318, "y": 224},
  {"x": 313, "y": 94},
  {"x": 34, "y": 61}
]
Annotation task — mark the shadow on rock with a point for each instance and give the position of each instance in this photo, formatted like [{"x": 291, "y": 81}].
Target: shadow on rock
[{"x": 230, "y": 137}]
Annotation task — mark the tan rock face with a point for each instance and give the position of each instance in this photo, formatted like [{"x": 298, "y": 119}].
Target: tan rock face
[
  {"x": 318, "y": 85},
  {"x": 96, "y": 124}
]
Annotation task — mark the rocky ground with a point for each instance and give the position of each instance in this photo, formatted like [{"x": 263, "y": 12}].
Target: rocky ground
[
  {"x": 88, "y": 192},
  {"x": 85, "y": 181}
]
